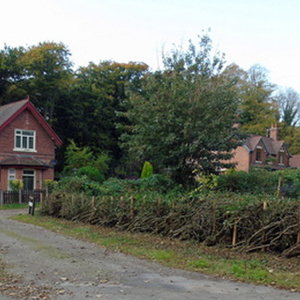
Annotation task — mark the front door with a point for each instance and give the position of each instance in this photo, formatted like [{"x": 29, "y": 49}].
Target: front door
[{"x": 28, "y": 179}]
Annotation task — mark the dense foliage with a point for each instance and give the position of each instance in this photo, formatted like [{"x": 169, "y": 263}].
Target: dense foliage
[
  {"x": 183, "y": 117},
  {"x": 175, "y": 118}
]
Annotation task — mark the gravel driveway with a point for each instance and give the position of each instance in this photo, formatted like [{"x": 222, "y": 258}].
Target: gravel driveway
[{"x": 47, "y": 265}]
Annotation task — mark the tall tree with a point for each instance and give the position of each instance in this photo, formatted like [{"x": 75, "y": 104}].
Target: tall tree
[
  {"x": 257, "y": 106},
  {"x": 47, "y": 74},
  {"x": 183, "y": 118},
  {"x": 289, "y": 105},
  {"x": 11, "y": 74},
  {"x": 98, "y": 94}
]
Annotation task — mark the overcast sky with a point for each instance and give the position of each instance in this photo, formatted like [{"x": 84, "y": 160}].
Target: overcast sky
[{"x": 264, "y": 32}]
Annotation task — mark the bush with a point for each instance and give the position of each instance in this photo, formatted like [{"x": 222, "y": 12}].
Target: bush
[
  {"x": 16, "y": 184},
  {"x": 78, "y": 185},
  {"x": 156, "y": 182},
  {"x": 257, "y": 181},
  {"x": 92, "y": 173},
  {"x": 147, "y": 170},
  {"x": 291, "y": 183}
]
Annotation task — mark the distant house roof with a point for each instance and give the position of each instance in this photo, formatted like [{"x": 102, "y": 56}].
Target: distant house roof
[
  {"x": 10, "y": 111},
  {"x": 272, "y": 147}
]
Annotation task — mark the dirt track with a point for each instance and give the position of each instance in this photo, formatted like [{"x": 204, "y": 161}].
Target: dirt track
[{"x": 47, "y": 265}]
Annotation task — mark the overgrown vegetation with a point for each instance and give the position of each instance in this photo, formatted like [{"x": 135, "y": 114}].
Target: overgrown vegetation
[{"x": 182, "y": 113}]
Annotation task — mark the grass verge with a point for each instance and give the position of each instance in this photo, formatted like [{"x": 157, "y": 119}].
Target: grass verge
[
  {"x": 258, "y": 268},
  {"x": 13, "y": 206}
]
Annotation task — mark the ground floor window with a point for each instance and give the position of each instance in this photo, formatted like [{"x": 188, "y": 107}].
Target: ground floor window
[
  {"x": 11, "y": 177},
  {"x": 29, "y": 179}
]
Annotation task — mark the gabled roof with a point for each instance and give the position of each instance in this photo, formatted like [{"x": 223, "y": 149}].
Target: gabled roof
[
  {"x": 271, "y": 146},
  {"x": 10, "y": 111}
]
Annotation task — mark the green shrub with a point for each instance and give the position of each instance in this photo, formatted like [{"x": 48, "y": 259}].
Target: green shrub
[
  {"x": 16, "y": 184},
  {"x": 147, "y": 170},
  {"x": 291, "y": 183},
  {"x": 258, "y": 181},
  {"x": 116, "y": 187},
  {"x": 78, "y": 185},
  {"x": 92, "y": 173},
  {"x": 155, "y": 182}
]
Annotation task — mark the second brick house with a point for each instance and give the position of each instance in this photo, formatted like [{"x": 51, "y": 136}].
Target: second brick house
[
  {"x": 27, "y": 146},
  {"x": 262, "y": 151}
]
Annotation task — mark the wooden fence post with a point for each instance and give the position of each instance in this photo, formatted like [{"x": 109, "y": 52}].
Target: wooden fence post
[
  {"x": 1, "y": 198},
  {"x": 41, "y": 198}
]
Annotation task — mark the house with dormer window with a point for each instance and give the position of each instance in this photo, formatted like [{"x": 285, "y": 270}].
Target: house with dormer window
[
  {"x": 27, "y": 146},
  {"x": 262, "y": 151}
]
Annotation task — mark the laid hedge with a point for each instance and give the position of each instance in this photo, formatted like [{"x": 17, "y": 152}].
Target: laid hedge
[{"x": 209, "y": 218}]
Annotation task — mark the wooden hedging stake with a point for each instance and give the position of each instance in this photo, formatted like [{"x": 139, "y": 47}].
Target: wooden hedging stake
[
  {"x": 279, "y": 186},
  {"x": 298, "y": 235},
  {"x": 93, "y": 201},
  {"x": 131, "y": 207},
  {"x": 234, "y": 236},
  {"x": 158, "y": 204},
  {"x": 265, "y": 205},
  {"x": 214, "y": 225}
]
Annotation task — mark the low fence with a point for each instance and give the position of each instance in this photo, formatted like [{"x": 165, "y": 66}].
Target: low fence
[{"x": 22, "y": 196}]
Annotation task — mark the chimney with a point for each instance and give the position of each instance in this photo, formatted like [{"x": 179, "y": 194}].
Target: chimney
[{"x": 274, "y": 132}]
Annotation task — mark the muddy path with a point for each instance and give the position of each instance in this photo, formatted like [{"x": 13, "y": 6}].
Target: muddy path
[{"x": 47, "y": 265}]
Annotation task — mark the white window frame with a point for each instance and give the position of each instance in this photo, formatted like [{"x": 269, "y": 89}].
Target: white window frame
[
  {"x": 260, "y": 149},
  {"x": 281, "y": 157},
  {"x": 11, "y": 174},
  {"x": 24, "y": 141}
]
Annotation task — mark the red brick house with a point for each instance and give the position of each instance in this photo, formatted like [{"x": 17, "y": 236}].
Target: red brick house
[
  {"x": 262, "y": 151},
  {"x": 295, "y": 161},
  {"x": 27, "y": 146}
]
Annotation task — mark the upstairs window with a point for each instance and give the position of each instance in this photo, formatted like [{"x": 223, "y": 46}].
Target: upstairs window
[
  {"x": 24, "y": 140},
  {"x": 258, "y": 157},
  {"x": 281, "y": 157}
]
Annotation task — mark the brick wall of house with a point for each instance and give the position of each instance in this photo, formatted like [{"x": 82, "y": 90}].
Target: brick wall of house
[
  {"x": 45, "y": 148},
  {"x": 241, "y": 157}
]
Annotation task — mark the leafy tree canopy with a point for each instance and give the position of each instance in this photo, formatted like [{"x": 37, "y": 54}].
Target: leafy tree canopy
[
  {"x": 257, "y": 108},
  {"x": 78, "y": 158},
  {"x": 183, "y": 118}
]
